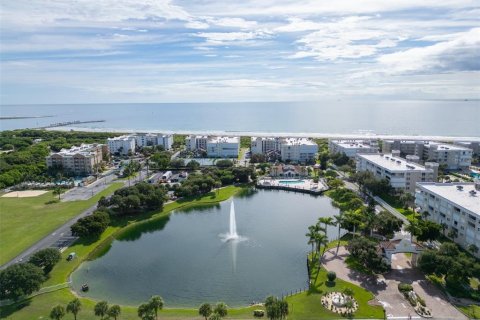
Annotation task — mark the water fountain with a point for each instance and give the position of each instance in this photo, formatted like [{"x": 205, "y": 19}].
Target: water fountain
[{"x": 232, "y": 234}]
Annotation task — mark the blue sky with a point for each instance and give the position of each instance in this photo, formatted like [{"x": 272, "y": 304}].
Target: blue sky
[{"x": 62, "y": 51}]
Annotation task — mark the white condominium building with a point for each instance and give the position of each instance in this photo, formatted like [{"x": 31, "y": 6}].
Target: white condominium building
[
  {"x": 194, "y": 143},
  {"x": 401, "y": 173},
  {"x": 452, "y": 156},
  {"x": 154, "y": 139},
  {"x": 351, "y": 147},
  {"x": 474, "y": 145},
  {"x": 82, "y": 160},
  {"x": 406, "y": 147},
  {"x": 223, "y": 147},
  {"x": 264, "y": 145},
  {"x": 455, "y": 205},
  {"x": 301, "y": 150},
  {"x": 121, "y": 145}
]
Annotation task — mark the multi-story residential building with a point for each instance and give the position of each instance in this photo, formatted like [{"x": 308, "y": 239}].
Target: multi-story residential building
[
  {"x": 473, "y": 145},
  {"x": 122, "y": 145},
  {"x": 154, "y": 139},
  {"x": 452, "y": 156},
  {"x": 265, "y": 145},
  {"x": 300, "y": 150},
  {"x": 401, "y": 173},
  {"x": 406, "y": 147},
  {"x": 456, "y": 206},
  {"x": 83, "y": 160},
  {"x": 351, "y": 147},
  {"x": 223, "y": 147},
  {"x": 194, "y": 143}
]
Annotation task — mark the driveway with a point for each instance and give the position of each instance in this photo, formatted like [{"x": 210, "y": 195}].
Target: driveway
[{"x": 384, "y": 287}]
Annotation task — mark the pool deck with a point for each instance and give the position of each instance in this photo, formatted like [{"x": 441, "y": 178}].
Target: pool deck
[{"x": 306, "y": 186}]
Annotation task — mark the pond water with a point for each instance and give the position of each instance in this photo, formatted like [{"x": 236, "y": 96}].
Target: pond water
[{"x": 184, "y": 259}]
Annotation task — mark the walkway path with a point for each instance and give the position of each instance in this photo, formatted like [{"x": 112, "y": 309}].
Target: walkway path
[{"x": 384, "y": 287}]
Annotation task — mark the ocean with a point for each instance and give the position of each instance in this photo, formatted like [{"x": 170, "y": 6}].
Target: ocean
[{"x": 395, "y": 117}]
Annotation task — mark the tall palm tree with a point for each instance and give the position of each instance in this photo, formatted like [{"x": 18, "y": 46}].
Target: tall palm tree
[
  {"x": 311, "y": 236},
  {"x": 114, "y": 311},
  {"x": 327, "y": 221},
  {"x": 338, "y": 221},
  {"x": 321, "y": 240},
  {"x": 101, "y": 309},
  {"x": 144, "y": 311},
  {"x": 156, "y": 303},
  {"x": 74, "y": 307},
  {"x": 57, "y": 312}
]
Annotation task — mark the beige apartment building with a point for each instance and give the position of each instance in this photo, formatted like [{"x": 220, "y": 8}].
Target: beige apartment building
[{"x": 82, "y": 160}]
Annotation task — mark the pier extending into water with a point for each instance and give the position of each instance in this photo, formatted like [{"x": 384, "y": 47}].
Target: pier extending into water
[{"x": 69, "y": 123}]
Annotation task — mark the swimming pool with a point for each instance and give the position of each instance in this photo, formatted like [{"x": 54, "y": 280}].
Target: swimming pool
[{"x": 291, "y": 181}]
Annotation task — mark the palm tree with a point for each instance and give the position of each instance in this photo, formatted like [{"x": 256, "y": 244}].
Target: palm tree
[
  {"x": 205, "y": 310},
  {"x": 321, "y": 239},
  {"x": 101, "y": 309},
  {"x": 221, "y": 309},
  {"x": 58, "y": 191},
  {"x": 327, "y": 221},
  {"x": 74, "y": 307},
  {"x": 114, "y": 311},
  {"x": 338, "y": 221},
  {"x": 156, "y": 303},
  {"x": 444, "y": 227},
  {"x": 57, "y": 312},
  {"x": 311, "y": 236},
  {"x": 413, "y": 228},
  {"x": 145, "y": 311},
  {"x": 283, "y": 308}
]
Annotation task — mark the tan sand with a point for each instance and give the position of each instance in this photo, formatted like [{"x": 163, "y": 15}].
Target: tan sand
[{"x": 24, "y": 194}]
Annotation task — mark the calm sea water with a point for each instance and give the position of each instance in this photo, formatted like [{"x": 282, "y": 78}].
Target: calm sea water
[
  {"x": 185, "y": 260},
  {"x": 452, "y": 118}
]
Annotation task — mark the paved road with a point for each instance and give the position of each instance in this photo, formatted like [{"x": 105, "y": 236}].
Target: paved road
[
  {"x": 63, "y": 232},
  {"x": 385, "y": 287}
]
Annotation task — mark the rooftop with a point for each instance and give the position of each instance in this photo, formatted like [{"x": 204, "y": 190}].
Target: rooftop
[
  {"x": 298, "y": 141},
  {"x": 446, "y": 146},
  {"x": 84, "y": 149},
  {"x": 392, "y": 163},
  {"x": 224, "y": 140},
  {"x": 452, "y": 192},
  {"x": 126, "y": 137},
  {"x": 353, "y": 144}
]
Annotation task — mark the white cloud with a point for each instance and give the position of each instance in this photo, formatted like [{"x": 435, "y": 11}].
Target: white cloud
[
  {"x": 348, "y": 38},
  {"x": 230, "y": 38},
  {"x": 461, "y": 52}
]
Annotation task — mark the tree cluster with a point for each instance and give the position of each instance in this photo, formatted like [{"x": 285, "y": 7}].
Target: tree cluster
[
  {"x": 134, "y": 199},
  {"x": 92, "y": 225},
  {"x": 19, "y": 280},
  {"x": 365, "y": 252},
  {"x": 209, "y": 312},
  {"x": 451, "y": 263},
  {"x": 368, "y": 182}
]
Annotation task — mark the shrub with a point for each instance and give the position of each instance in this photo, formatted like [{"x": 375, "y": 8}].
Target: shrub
[
  {"x": 404, "y": 287},
  {"x": 331, "y": 276},
  {"x": 258, "y": 313},
  {"x": 421, "y": 301}
]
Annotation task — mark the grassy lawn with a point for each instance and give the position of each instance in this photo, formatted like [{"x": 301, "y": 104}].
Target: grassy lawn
[
  {"x": 472, "y": 311},
  {"x": 307, "y": 305},
  {"x": 27, "y": 220}
]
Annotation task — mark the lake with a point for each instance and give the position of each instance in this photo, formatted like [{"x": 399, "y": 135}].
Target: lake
[{"x": 184, "y": 259}]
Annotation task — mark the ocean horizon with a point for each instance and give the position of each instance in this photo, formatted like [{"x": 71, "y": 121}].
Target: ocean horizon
[{"x": 387, "y": 117}]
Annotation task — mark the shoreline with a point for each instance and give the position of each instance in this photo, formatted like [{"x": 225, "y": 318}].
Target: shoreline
[{"x": 318, "y": 135}]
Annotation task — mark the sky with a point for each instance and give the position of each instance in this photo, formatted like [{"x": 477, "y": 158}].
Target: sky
[{"x": 94, "y": 51}]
